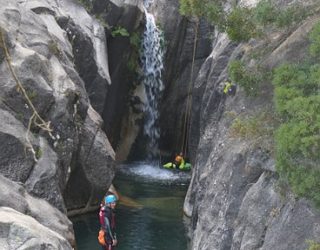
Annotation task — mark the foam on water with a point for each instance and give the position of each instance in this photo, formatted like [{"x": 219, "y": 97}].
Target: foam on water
[{"x": 151, "y": 173}]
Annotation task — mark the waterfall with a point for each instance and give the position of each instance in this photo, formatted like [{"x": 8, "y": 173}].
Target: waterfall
[
  {"x": 147, "y": 3},
  {"x": 152, "y": 66}
]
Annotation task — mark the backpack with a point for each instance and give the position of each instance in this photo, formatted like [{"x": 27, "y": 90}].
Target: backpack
[
  {"x": 101, "y": 233},
  {"x": 101, "y": 216},
  {"x": 101, "y": 237}
]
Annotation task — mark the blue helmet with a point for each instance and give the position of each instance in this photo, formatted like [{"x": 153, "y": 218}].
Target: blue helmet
[{"x": 110, "y": 198}]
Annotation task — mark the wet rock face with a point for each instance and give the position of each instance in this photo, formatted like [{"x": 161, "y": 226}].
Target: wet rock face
[
  {"x": 42, "y": 89},
  {"x": 179, "y": 36},
  {"x": 123, "y": 54},
  {"x": 14, "y": 164},
  {"x": 85, "y": 60},
  {"x": 235, "y": 199},
  {"x": 95, "y": 166},
  {"x": 52, "y": 84}
]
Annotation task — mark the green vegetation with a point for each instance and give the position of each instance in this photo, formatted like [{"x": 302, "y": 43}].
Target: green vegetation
[
  {"x": 297, "y": 101},
  {"x": 133, "y": 61},
  {"x": 54, "y": 49},
  {"x": 242, "y": 23},
  {"x": 38, "y": 153},
  {"x": 249, "y": 79},
  {"x": 314, "y": 48},
  {"x": 253, "y": 127},
  {"x": 267, "y": 13},
  {"x": 291, "y": 15},
  {"x": 313, "y": 245},
  {"x": 119, "y": 31},
  {"x": 212, "y": 10},
  {"x": 135, "y": 40},
  {"x": 32, "y": 94}
]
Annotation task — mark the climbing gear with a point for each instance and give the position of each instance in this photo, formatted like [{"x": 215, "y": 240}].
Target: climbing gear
[
  {"x": 110, "y": 198},
  {"x": 187, "y": 124},
  {"x": 101, "y": 215},
  {"x": 169, "y": 165},
  {"x": 101, "y": 238},
  {"x": 185, "y": 166},
  {"x": 227, "y": 87}
]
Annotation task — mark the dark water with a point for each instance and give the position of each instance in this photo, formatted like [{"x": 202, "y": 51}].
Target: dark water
[{"x": 150, "y": 216}]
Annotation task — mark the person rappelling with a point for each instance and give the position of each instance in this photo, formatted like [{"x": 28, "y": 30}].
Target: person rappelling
[
  {"x": 179, "y": 160},
  {"x": 229, "y": 88},
  {"x": 178, "y": 163}
]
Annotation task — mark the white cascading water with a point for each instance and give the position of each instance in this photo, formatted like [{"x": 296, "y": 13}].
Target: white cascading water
[
  {"x": 152, "y": 66},
  {"x": 147, "y": 3}
]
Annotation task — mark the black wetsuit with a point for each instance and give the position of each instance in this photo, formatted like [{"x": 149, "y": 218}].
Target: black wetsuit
[{"x": 109, "y": 227}]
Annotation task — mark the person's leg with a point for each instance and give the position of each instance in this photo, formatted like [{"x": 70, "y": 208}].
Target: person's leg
[{"x": 109, "y": 246}]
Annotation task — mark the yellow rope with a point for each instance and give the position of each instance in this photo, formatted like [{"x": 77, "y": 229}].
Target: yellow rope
[{"x": 186, "y": 125}]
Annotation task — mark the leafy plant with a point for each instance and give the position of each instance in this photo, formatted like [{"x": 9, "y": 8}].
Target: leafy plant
[
  {"x": 54, "y": 48},
  {"x": 248, "y": 79},
  {"x": 297, "y": 100},
  {"x": 240, "y": 25},
  {"x": 38, "y": 153},
  {"x": 32, "y": 94},
  {"x": 265, "y": 12},
  {"x": 135, "y": 40},
  {"x": 315, "y": 41},
  {"x": 120, "y": 31},
  {"x": 290, "y": 15},
  {"x": 133, "y": 61},
  {"x": 193, "y": 7},
  {"x": 254, "y": 126},
  {"x": 313, "y": 245},
  {"x": 212, "y": 10}
]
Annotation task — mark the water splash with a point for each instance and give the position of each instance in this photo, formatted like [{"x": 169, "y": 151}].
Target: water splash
[
  {"x": 152, "y": 66},
  {"x": 147, "y": 172}
]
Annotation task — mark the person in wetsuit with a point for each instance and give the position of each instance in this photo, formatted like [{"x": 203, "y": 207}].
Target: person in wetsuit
[{"x": 109, "y": 224}]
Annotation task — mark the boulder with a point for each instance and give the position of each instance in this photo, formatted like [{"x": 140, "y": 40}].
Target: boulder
[
  {"x": 123, "y": 54},
  {"x": 44, "y": 100},
  {"x": 31, "y": 214},
  {"x": 95, "y": 167},
  {"x": 20, "y": 231}
]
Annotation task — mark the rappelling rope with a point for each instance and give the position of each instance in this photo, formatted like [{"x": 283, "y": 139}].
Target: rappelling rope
[{"x": 186, "y": 124}]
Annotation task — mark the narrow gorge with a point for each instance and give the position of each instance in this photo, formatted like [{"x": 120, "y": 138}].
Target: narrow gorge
[{"x": 87, "y": 85}]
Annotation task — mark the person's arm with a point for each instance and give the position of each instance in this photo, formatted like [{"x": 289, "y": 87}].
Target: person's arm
[
  {"x": 108, "y": 227},
  {"x": 183, "y": 161}
]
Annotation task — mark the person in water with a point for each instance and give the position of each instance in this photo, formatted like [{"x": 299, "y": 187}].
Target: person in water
[
  {"x": 179, "y": 160},
  {"x": 178, "y": 163},
  {"x": 108, "y": 222}
]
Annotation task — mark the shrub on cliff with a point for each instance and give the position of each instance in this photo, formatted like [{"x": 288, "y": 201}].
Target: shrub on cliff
[
  {"x": 242, "y": 23},
  {"x": 297, "y": 101},
  {"x": 248, "y": 79}
]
